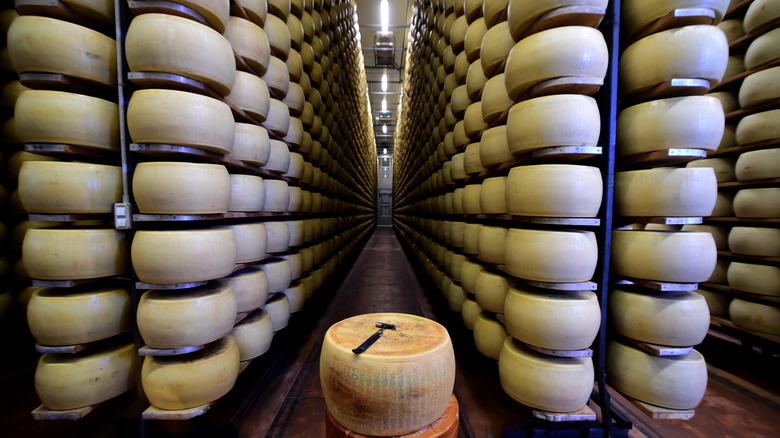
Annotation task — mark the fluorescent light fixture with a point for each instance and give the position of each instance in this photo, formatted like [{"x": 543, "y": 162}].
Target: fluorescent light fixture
[
  {"x": 384, "y": 151},
  {"x": 384, "y": 81},
  {"x": 384, "y": 13},
  {"x": 384, "y": 105},
  {"x": 384, "y": 129}
]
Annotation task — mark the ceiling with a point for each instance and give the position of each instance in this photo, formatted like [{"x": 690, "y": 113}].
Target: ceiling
[{"x": 399, "y": 18}]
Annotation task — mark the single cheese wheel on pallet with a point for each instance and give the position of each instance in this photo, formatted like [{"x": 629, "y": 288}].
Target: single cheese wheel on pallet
[
  {"x": 70, "y": 381},
  {"x": 278, "y": 120},
  {"x": 278, "y": 36},
  {"x": 666, "y": 256},
  {"x": 698, "y": 52},
  {"x": 253, "y": 335},
  {"x": 277, "y": 196},
  {"x": 37, "y": 45},
  {"x": 760, "y": 13},
  {"x": 555, "y": 190},
  {"x": 250, "y": 93},
  {"x": 490, "y": 247},
  {"x": 760, "y": 87},
  {"x": 490, "y": 289},
  {"x": 666, "y": 191},
  {"x": 419, "y": 350},
  {"x": 554, "y": 384},
  {"x": 249, "y": 41},
  {"x": 674, "y": 382},
  {"x": 278, "y": 308},
  {"x": 761, "y": 164},
  {"x": 522, "y": 14},
  {"x": 495, "y": 98},
  {"x": 250, "y": 287},
  {"x": 191, "y": 317},
  {"x": 551, "y": 256},
  {"x": 571, "y": 51},
  {"x": 42, "y": 116},
  {"x": 492, "y": 198},
  {"x": 762, "y": 242},
  {"x": 247, "y": 193},
  {"x": 295, "y": 168},
  {"x": 717, "y": 302},
  {"x": 257, "y": 10},
  {"x": 296, "y": 33},
  {"x": 178, "y": 118},
  {"x": 723, "y": 167},
  {"x": 757, "y": 203},
  {"x": 277, "y": 77},
  {"x": 61, "y": 187},
  {"x": 251, "y": 242},
  {"x": 251, "y": 144},
  {"x": 636, "y": 15},
  {"x": 496, "y": 45},
  {"x": 562, "y": 120},
  {"x": 755, "y": 316},
  {"x": 190, "y": 380},
  {"x": 757, "y": 279},
  {"x": 553, "y": 320},
  {"x": 183, "y": 256},
  {"x": 279, "y": 273},
  {"x": 678, "y": 319},
  {"x": 763, "y": 49},
  {"x": 169, "y": 44},
  {"x": 181, "y": 188},
  {"x": 69, "y": 317},
  {"x": 280, "y": 8},
  {"x": 74, "y": 254},
  {"x": 759, "y": 127},
  {"x": 679, "y": 122}
]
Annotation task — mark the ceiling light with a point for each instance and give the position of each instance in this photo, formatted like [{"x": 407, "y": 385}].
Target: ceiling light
[
  {"x": 384, "y": 129},
  {"x": 384, "y": 105},
  {"x": 384, "y": 13},
  {"x": 384, "y": 151},
  {"x": 384, "y": 81}
]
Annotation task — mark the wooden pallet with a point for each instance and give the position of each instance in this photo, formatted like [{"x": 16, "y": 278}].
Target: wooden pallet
[
  {"x": 59, "y": 150},
  {"x": 736, "y": 150},
  {"x": 691, "y": 220},
  {"x": 659, "y": 413},
  {"x": 153, "y": 413},
  {"x": 666, "y": 157},
  {"x": 661, "y": 350},
  {"x": 44, "y": 413},
  {"x": 584, "y": 414},
  {"x": 563, "y": 221},
  {"x": 676, "y": 87},
  {"x": 750, "y": 183},
  {"x": 149, "y": 351},
  {"x": 658, "y": 285},
  {"x": 66, "y": 283},
  {"x": 735, "y": 116},
  {"x": 563, "y": 287},
  {"x": 66, "y": 217},
  {"x": 140, "y": 285}
]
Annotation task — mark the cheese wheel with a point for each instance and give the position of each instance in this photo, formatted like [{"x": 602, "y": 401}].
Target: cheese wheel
[
  {"x": 216, "y": 12},
  {"x": 279, "y": 274},
  {"x": 469, "y": 273},
  {"x": 296, "y": 200},
  {"x": 70, "y": 381},
  {"x": 494, "y": 11},
  {"x": 36, "y": 45},
  {"x": 723, "y": 205},
  {"x": 177, "y": 117},
  {"x": 759, "y": 127},
  {"x": 419, "y": 350},
  {"x": 735, "y": 66},
  {"x": 249, "y": 41},
  {"x": 471, "y": 238},
  {"x": 42, "y": 116},
  {"x": 522, "y": 14},
  {"x": 475, "y": 34},
  {"x": 667, "y": 256},
  {"x": 570, "y": 51},
  {"x": 760, "y": 13},
  {"x": 492, "y": 198},
  {"x": 763, "y": 49},
  {"x": 636, "y": 15},
  {"x": 674, "y": 382},
  {"x": 69, "y": 317},
  {"x": 490, "y": 247},
  {"x": 100, "y": 11},
  {"x": 723, "y": 167},
  {"x": 729, "y": 139},
  {"x": 495, "y": 98},
  {"x": 678, "y": 319},
  {"x": 10, "y": 91},
  {"x": 699, "y": 52},
  {"x": 277, "y": 195},
  {"x": 732, "y": 28},
  {"x": 475, "y": 80},
  {"x": 251, "y": 242},
  {"x": 190, "y": 380},
  {"x": 278, "y": 118},
  {"x": 457, "y": 236},
  {"x": 296, "y": 33},
  {"x": 278, "y": 36},
  {"x": 470, "y": 312},
  {"x": 755, "y": 316},
  {"x": 719, "y": 234},
  {"x": 279, "y": 158},
  {"x": 183, "y": 256},
  {"x": 296, "y": 265},
  {"x": 762, "y": 242},
  {"x": 247, "y": 193},
  {"x": 170, "y": 44},
  {"x": 278, "y": 308},
  {"x": 757, "y": 279},
  {"x": 250, "y": 287},
  {"x": 456, "y": 297},
  {"x": 251, "y": 144},
  {"x": 250, "y": 93},
  {"x": 181, "y": 188},
  {"x": 74, "y": 254},
  {"x": 253, "y": 335},
  {"x": 59, "y": 187},
  {"x": 471, "y": 196},
  {"x": 278, "y": 236},
  {"x": 760, "y": 87},
  {"x": 295, "y": 100},
  {"x": 277, "y": 77},
  {"x": 666, "y": 191},
  {"x": 295, "y": 169},
  {"x": 679, "y": 122},
  {"x": 496, "y": 45},
  {"x": 562, "y": 120},
  {"x": 490, "y": 289},
  {"x": 761, "y": 164},
  {"x": 757, "y": 203},
  {"x": 555, "y": 384},
  {"x": 473, "y": 123},
  {"x": 717, "y": 302},
  {"x": 551, "y": 256},
  {"x": 257, "y": 10},
  {"x": 554, "y": 190},
  {"x": 186, "y": 318}
]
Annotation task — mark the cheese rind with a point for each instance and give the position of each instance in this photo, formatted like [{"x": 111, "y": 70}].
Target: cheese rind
[
  {"x": 489, "y": 335},
  {"x": 249, "y": 41},
  {"x": 668, "y": 256},
  {"x": 554, "y": 190},
  {"x": 762, "y": 242},
  {"x": 252, "y": 243},
  {"x": 666, "y": 191},
  {"x": 253, "y": 335},
  {"x": 636, "y": 15},
  {"x": 250, "y": 93},
  {"x": 755, "y": 316},
  {"x": 759, "y": 127},
  {"x": 181, "y": 188},
  {"x": 760, "y": 87},
  {"x": 247, "y": 193},
  {"x": 757, "y": 203},
  {"x": 74, "y": 254},
  {"x": 61, "y": 187},
  {"x": 753, "y": 278},
  {"x": 761, "y": 164},
  {"x": 763, "y": 49},
  {"x": 551, "y": 256},
  {"x": 250, "y": 287}
]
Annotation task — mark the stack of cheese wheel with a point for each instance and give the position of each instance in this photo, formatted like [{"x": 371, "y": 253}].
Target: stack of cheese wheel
[{"x": 398, "y": 415}]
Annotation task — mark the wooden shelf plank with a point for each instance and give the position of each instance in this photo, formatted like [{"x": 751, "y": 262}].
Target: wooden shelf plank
[
  {"x": 153, "y": 413},
  {"x": 751, "y": 183},
  {"x": 44, "y": 413},
  {"x": 661, "y": 350},
  {"x": 568, "y": 85},
  {"x": 66, "y": 283},
  {"x": 744, "y": 220},
  {"x": 144, "y": 217},
  {"x": 564, "y": 221},
  {"x": 741, "y": 44},
  {"x": 738, "y": 11},
  {"x": 584, "y": 414},
  {"x": 66, "y": 217},
  {"x": 680, "y": 17},
  {"x": 151, "y": 286},
  {"x": 734, "y": 81},
  {"x": 760, "y": 259},
  {"x": 62, "y": 349},
  {"x": 735, "y": 116},
  {"x": 717, "y": 321},
  {"x": 745, "y": 148},
  {"x": 766, "y": 299},
  {"x": 676, "y": 87},
  {"x": 666, "y": 157},
  {"x": 659, "y": 285},
  {"x": 149, "y": 351},
  {"x": 586, "y": 352},
  {"x": 65, "y": 150},
  {"x": 659, "y": 413},
  {"x": 695, "y": 220},
  {"x": 244, "y": 365},
  {"x": 149, "y": 79}
]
